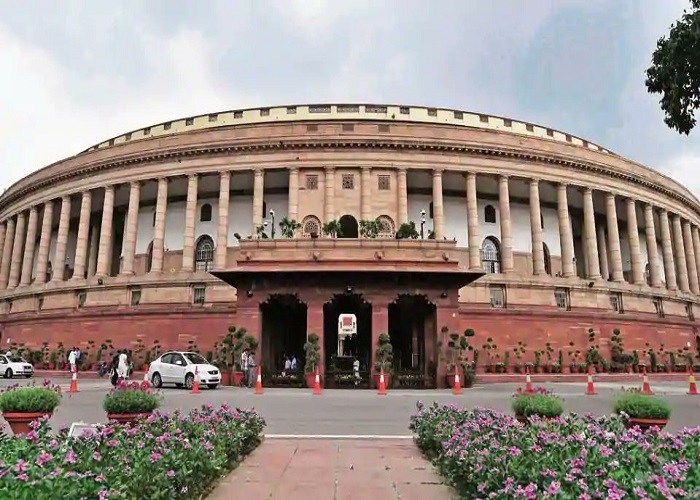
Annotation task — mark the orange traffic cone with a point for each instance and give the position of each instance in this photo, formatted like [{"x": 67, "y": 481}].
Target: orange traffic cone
[
  {"x": 195, "y": 386},
  {"x": 382, "y": 383},
  {"x": 646, "y": 389},
  {"x": 692, "y": 388},
  {"x": 590, "y": 390},
  {"x": 73, "y": 381},
  {"x": 258, "y": 383},
  {"x": 317, "y": 383},
  {"x": 528, "y": 381},
  {"x": 456, "y": 387}
]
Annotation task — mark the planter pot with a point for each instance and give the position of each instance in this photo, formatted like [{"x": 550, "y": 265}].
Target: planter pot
[
  {"x": 237, "y": 378},
  {"x": 311, "y": 379},
  {"x": 225, "y": 378},
  {"x": 646, "y": 423},
  {"x": 19, "y": 422},
  {"x": 52, "y": 366},
  {"x": 124, "y": 418},
  {"x": 387, "y": 380}
]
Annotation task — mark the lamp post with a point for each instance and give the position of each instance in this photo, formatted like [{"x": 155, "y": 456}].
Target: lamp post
[
  {"x": 272, "y": 217},
  {"x": 422, "y": 224}
]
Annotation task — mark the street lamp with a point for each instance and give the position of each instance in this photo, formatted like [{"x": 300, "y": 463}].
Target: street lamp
[
  {"x": 422, "y": 223},
  {"x": 272, "y": 217}
]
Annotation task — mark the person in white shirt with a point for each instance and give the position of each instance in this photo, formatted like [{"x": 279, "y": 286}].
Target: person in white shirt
[
  {"x": 287, "y": 365},
  {"x": 356, "y": 371},
  {"x": 252, "y": 372},
  {"x": 123, "y": 366},
  {"x": 244, "y": 366},
  {"x": 293, "y": 364},
  {"x": 72, "y": 359}
]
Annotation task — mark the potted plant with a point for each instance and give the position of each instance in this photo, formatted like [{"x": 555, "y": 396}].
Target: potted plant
[
  {"x": 453, "y": 354},
  {"x": 22, "y": 405},
  {"x": 541, "y": 402},
  {"x": 289, "y": 227},
  {"x": 407, "y": 231},
  {"x": 370, "y": 228},
  {"x": 642, "y": 410},
  {"x": 233, "y": 345},
  {"x": 383, "y": 360},
  {"x": 129, "y": 402},
  {"x": 332, "y": 228},
  {"x": 312, "y": 353}
]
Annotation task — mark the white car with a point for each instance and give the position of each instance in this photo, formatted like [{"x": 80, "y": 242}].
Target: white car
[
  {"x": 11, "y": 366},
  {"x": 180, "y": 368}
]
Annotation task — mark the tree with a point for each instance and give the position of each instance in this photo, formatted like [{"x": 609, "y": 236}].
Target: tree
[{"x": 675, "y": 71}]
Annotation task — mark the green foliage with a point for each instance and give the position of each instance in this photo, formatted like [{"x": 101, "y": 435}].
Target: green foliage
[
  {"x": 30, "y": 399},
  {"x": 453, "y": 353},
  {"x": 370, "y": 228},
  {"x": 637, "y": 405},
  {"x": 131, "y": 398},
  {"x": 312, "y": 353},
  {"x": 542, "y": 405},
  {"x": 332, "y": 228},
  {"x": 384, "y": 355},
  {"x": 407, "y": 231},
  {"x": 675, "y": 71},
  {"x": 289, "y": 227}
]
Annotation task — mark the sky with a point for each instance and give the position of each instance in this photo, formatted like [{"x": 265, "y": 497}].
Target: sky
[{"x": 76, "y": 72}]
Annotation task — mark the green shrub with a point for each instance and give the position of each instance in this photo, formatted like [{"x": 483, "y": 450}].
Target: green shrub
[
  {"x": 542, "y": 405},
  {"x": 30, "y": 399},
  {"x": 637, "y": 405},
  {"x": 131, "y": 398}
]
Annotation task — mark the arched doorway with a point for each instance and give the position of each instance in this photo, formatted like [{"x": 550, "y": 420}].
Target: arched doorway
[
  {"x": 412, "y": 328},
  {"x": 348, "y": 227},
  {"x": 339, "y": 365},
  {"x": 283, "y": 334}
]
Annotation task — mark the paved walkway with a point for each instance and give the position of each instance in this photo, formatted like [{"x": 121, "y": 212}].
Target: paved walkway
[{"x": 334, "y": 470}]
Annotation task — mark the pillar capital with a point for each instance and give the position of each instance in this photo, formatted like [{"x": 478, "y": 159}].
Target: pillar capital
[
  {"x": 402, "y": 169},
  {"x": 437, "y": 172},
  {"x": 503, "y": 177},
  {"x": 329, "y": 170},
  {"x": 533, "y": 180},
  {"x": 366, "y": 169},
  {"x": 293, "y": 170}
]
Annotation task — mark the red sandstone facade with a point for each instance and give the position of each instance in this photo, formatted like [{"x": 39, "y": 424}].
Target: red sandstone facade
[{"x": 594, "y": 263}]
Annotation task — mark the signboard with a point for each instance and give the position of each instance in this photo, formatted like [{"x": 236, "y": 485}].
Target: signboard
[{"x": 347, "y": 325}]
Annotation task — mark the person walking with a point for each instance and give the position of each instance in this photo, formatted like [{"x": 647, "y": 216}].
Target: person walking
[
  {"x": 244, "y": 366},
  {"x": 113, "y": 373},
  {"x": 252, "y": 373},
  {"x": 123, "y": 366},
  {"x": 73, "y": 359}
]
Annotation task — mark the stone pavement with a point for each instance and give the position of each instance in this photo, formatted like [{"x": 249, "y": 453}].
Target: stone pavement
[{"x": 307, "y": 469}]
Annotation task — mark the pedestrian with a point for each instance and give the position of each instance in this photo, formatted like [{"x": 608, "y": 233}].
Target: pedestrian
[
  {"x": 123, "y": 366},
  {"x": 356, "y": 371},
  {"x": 251, "y": 369},
  {"x": 114, "y": 374},
  {"x": 73, "y": 359},
  {"x": 244, "y": 366},
  {"x": 293, "y": 364}
]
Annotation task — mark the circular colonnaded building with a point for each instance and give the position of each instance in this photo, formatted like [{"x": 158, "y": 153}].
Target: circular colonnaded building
[{"x": 171, "y": 233}]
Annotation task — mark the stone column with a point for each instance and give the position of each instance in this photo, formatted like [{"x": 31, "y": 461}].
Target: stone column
[
  {"x": 366, "y": 194},
  {"x": 652, "y": 250},
  {"x": 690, "y": 258},
  {"x": 258, "y": 198},
  {"x": 131, "y": 229},
  {"x": 438, "y": 209},
  {"x": 3, "y": 231},
  {"x": 329, "y": 198},
  {"x": 667, "y": 250},
  {"x": 83, "y": 236},
  {"x": 59, "y": 264},
  {"x": 590, "y": 235},
  {"x": 103, "y": 263},
  {"x": 472, "y": 223},
  {"x": 94, "y": 250},
  {"x": 222, "y": 233},
  {"x": 7, "y": 252},
  {"x": 538, "y": 267},
  {"x": 614, "y": 239},
  {"x": 29, "y": 247},
  {"x": 402, "y": 195},
  {"x": 17, "y": 251},
  {"x": 603, "y": 253},
  {"x": 159, "y": 236},
  {"x": 696, "y": 249},
  {"x": 293, "y": 196},
  {"x": 566, "y": 238},
  {"x": 635, "y": 248},
  {"x": 42, "y": 264},
  {"x": 506, "y": 235},
  {"x": 191, "y": 222},
  {"x": 380, "y": 323},
  {"x": 681, "y": 264}
]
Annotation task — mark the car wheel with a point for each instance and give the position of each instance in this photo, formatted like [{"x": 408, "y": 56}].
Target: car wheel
[
  {"x": 189, "y": 380},
  {"x": 156, "y": 380},
  {"x": 213, "y": 386},
  {"x": 8, "y": 373}
]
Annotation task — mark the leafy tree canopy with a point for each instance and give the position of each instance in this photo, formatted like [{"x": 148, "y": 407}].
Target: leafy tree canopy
[{"x": 675, "y": 71}]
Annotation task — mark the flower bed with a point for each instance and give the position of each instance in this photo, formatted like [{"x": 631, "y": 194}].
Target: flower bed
[
  {"x": 166, "y": 456},
  {"x": 487, "y": 454}
]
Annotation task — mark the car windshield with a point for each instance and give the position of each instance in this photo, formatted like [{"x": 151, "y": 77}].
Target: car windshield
[
  {"x": 195, "y": 358},
  {"x": 16, "y": 359}
]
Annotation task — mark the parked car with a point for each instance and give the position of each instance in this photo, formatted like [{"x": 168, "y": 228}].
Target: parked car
[
  {"x": 180, "y": 369},
  {"x": 11, "y": 366}
]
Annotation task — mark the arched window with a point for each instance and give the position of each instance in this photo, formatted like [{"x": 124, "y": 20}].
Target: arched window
[
  {"x": 547, "y": 259},
  {"x": 204, "y": 253},
  {"x": 491, "y": 255},
  {"x": 388, "y": 229},
  {"x": 489, "y": 214},
  {"x": 205, "y": 213},
  {"x": 310, "y": 225},
  {"x": 149, "y": 257}
]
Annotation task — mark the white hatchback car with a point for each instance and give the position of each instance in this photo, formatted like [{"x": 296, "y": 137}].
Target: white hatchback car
[
  {"x": 11, "y": 366},
  {"x": 179, "y": 368}
]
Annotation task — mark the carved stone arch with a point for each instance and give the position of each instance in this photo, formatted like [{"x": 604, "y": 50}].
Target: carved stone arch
[
  {"x": 310, "y": 225},
  {"x": 491, "y": 255},
  {"x": 388, "y": 228}
]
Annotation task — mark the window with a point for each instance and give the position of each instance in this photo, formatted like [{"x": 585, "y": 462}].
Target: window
[
  {"x": 689, "y": 311},
  {"x": 547, "y": 259},
  {"x": 167, "y": 126},
  {"x": 432, "y": 112},
  {"x": 430, "y": 209},
  {"x": 111, "y": 142},
  {"x": 149, "y": 257},
  {"x": 489, "y": 214},
  {"x": 311, "y": 227},
  {"x": 312, "y": 182},
  {"x": 550, "y": 132},
  {"x": 135, "y": 298},
  {"x": 348, "y": 127},
  {"x": 82, "y": 298},
  {"x": 265, "y": 112},
  {"x": 205, "y": 213},
  {"x": 319, "y": 109},
  {"x": 405, "y": 111},
  {"x": 189, "y": 121},
  {"x": 491, "y": 255},
  {"x": 204, "y": 253},
  {"x": 388, "y": 229},
  {"x": 348, "y": 181},
  {"x": 562, "y": 296},
  {"x": 127, "y": 137},
  {"x": 529, "y": 128},
  {"x": 541, "y": 221},
  {"x": 147, "y": 131},
  {"x": 383, "y": 182},
  {"x": 292, "y": 110},
  {"x": 213, "y": 118},
  {"x": 39, "y": 303},
  {"x": 348, "y": 109},
  {"x": 616, "y": 302},
  {"x": 237, "y": 115},
  {"x": 154, "y": 218},
  {"x": 498, "y": 296},
  {"x": 375, "y": 109},
  {"x": 507, "y": 122},
  {"x": 199, "y": 294},
  {"x": 458, "y": 115},
  {"x": 483, "y": 118},
  {"x": 568, "y": 138},
  {"x": 647, "y": 273},
  {"x": 659, "y": 306}
]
